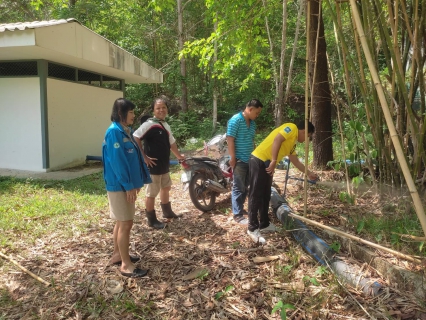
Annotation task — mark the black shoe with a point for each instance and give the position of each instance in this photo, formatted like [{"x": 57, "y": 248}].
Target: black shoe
[
  {"x": 137, "y": 273},
  {"x": 240, "y": 219},
  {"x": 168, "y": 212},
  {"x": 133, "y": 259},
  {"x": 152, "y": 220}
]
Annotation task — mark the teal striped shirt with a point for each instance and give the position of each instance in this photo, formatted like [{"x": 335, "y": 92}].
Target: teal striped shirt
[{"x": 243, "y": 135}]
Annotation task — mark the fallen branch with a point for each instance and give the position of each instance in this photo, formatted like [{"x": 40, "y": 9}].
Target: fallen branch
[
  {"x": 238, "y": 250},
  {"x": 265, "y": 259},
  {"x": 347, "y": 235},
  {"x": 409, "y": 236},
  {"x": 24, "y": 269}
]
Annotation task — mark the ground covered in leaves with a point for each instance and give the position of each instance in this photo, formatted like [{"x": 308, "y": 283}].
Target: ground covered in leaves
[{"x": 201, "y": 266}]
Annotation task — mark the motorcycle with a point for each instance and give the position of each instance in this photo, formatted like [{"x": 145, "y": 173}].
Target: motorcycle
[{"x": 206, "y": 177}]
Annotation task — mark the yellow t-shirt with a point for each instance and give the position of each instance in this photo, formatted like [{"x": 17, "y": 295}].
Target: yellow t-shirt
[{"x": 290, "y": 132}]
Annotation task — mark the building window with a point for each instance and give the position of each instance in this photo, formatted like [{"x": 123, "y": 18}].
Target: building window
[
  {"x": 111, "y": 83},
  {"x": 86, "y": 77},
  {"x": 18, "y": 68},
  {"x": 61, "y": 72}
]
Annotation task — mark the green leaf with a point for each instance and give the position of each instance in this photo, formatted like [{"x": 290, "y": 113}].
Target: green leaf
[
  {"x": 278, "y": 306},
  {"x": 337, "y": 166},
  {"x": 360, "y": 226},
  {"x": 360, "y": 127},
  {"x": 283, "y": 314},
  {"x": 229, "y": 288},
  {"x": 314, "y": 281},
  {"x": 335, "y": 246},
  {"x": 219, "y": 295},
  {"x": 343, "y": 196}
]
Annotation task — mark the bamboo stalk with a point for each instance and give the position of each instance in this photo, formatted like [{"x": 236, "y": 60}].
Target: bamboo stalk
[
  {"x": 358, "y": 239},
  {"x": 24, "y": 269},
  {"x": 308, "y": 22},
  {"x": 293, "y": 53},
  {"x": 399, "y": 152}
]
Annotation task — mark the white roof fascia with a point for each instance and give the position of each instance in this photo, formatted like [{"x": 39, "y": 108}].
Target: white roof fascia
[{"x": 72, "y": 44}]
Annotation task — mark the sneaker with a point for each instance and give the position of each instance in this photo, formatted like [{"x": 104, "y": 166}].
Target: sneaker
[
  {"x": 270, "y": 228},
  {"x": 240, "y": 219},
  {"x": 256, "y": 236}
]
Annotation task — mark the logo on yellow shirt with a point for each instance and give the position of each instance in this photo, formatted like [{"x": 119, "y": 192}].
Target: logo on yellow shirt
[{"x": 287, "y": 129}]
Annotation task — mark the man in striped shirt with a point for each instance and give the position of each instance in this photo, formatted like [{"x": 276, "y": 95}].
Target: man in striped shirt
[{"x": 240, "y": 138}]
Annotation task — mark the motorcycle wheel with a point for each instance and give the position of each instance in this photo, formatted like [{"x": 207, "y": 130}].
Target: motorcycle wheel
[{"x": 202, "y": 198}]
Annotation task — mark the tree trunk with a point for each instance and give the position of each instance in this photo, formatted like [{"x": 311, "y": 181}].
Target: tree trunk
[
  {"x": 320, "y": 88},
  {"x": 181, "y": 41}
]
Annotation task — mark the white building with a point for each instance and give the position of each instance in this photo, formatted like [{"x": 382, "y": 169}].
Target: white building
[{"x": 58, "y": 82}]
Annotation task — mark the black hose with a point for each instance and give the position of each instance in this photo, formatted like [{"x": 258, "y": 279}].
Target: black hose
[{"x": 319, "y": 250}]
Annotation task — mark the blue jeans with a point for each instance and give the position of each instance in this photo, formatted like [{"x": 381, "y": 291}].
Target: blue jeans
[{"x": 240, "y": 187}]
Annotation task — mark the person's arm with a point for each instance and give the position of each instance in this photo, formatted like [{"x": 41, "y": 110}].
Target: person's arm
[
  {"x": 231, "y": 151},
  {"x": 150, "y": 162},
  {"x": 296, "y": 162},
  {"x": 175, "y": 150},
  {"x": 276, "y": 145}
]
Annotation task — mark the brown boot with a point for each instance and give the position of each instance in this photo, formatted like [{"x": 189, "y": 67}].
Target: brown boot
[
  {"x": 152, "y": 220},
  {"x": 168, "y": 212}
]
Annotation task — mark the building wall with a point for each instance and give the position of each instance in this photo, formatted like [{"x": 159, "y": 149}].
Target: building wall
[
  {"x": 20, "y": 124},
  {"x": 78, "y": 116}
]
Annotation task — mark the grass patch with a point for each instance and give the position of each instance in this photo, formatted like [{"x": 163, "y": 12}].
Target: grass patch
[
  {"x": 387, "y": 230},
  {"x": 30, "y": 209}
]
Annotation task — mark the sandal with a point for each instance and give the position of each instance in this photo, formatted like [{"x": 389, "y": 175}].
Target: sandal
[
  {"x": 133, "y": 259},
  {"x": 137, "y": 273}
]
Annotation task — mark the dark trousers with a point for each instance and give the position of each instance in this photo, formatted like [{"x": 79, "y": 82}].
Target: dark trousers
[{"x": 259, "y": 194}]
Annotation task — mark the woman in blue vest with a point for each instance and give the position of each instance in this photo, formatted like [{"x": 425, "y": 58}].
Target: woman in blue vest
[{"x": 125, "y": 173}]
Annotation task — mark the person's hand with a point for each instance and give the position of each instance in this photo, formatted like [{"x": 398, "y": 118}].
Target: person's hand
[
  {"x": 181, "y": 158},
  {"x": 150, "y": 162},
  {"x": 312, "y": 176},
  {"x": 271, "y": 169},
  {"x": 232, "y": 162},
  {"x": 131, "y": 195}
]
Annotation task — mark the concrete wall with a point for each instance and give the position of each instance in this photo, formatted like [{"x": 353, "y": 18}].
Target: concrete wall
[
  {"x": 20, "y": 124},
  {"x": 78, "y": 117}
]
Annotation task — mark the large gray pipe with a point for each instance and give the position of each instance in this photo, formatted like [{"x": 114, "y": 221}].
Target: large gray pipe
[{"x": 319, "y": 250}]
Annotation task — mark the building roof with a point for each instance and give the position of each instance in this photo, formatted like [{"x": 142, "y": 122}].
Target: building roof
[
  {"x": 68, "y": 42},
  {"x": 34, "y": 24}
]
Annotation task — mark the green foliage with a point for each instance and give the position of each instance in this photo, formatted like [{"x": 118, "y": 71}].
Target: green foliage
[
  {"x": 345, "y": 197},
  {"x": 187, "y": 125},
  {"x": 387, "y": 229},
  {"x": 308, "y": 279},
  {"x": 357, "y": 181},
  {"x": 282, "y": 307},
  {"x": 203, "y": 274},
  {"x": 322, "y": 270},
  {"x": 286, "y": 270},
  {"x": 360, "y": 226},
  {"x": 221, "y": 294},
  {"x": 335, "y": 246}
]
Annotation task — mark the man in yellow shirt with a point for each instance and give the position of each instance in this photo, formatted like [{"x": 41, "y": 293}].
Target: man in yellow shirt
[{"x": 279, "y": 143}]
